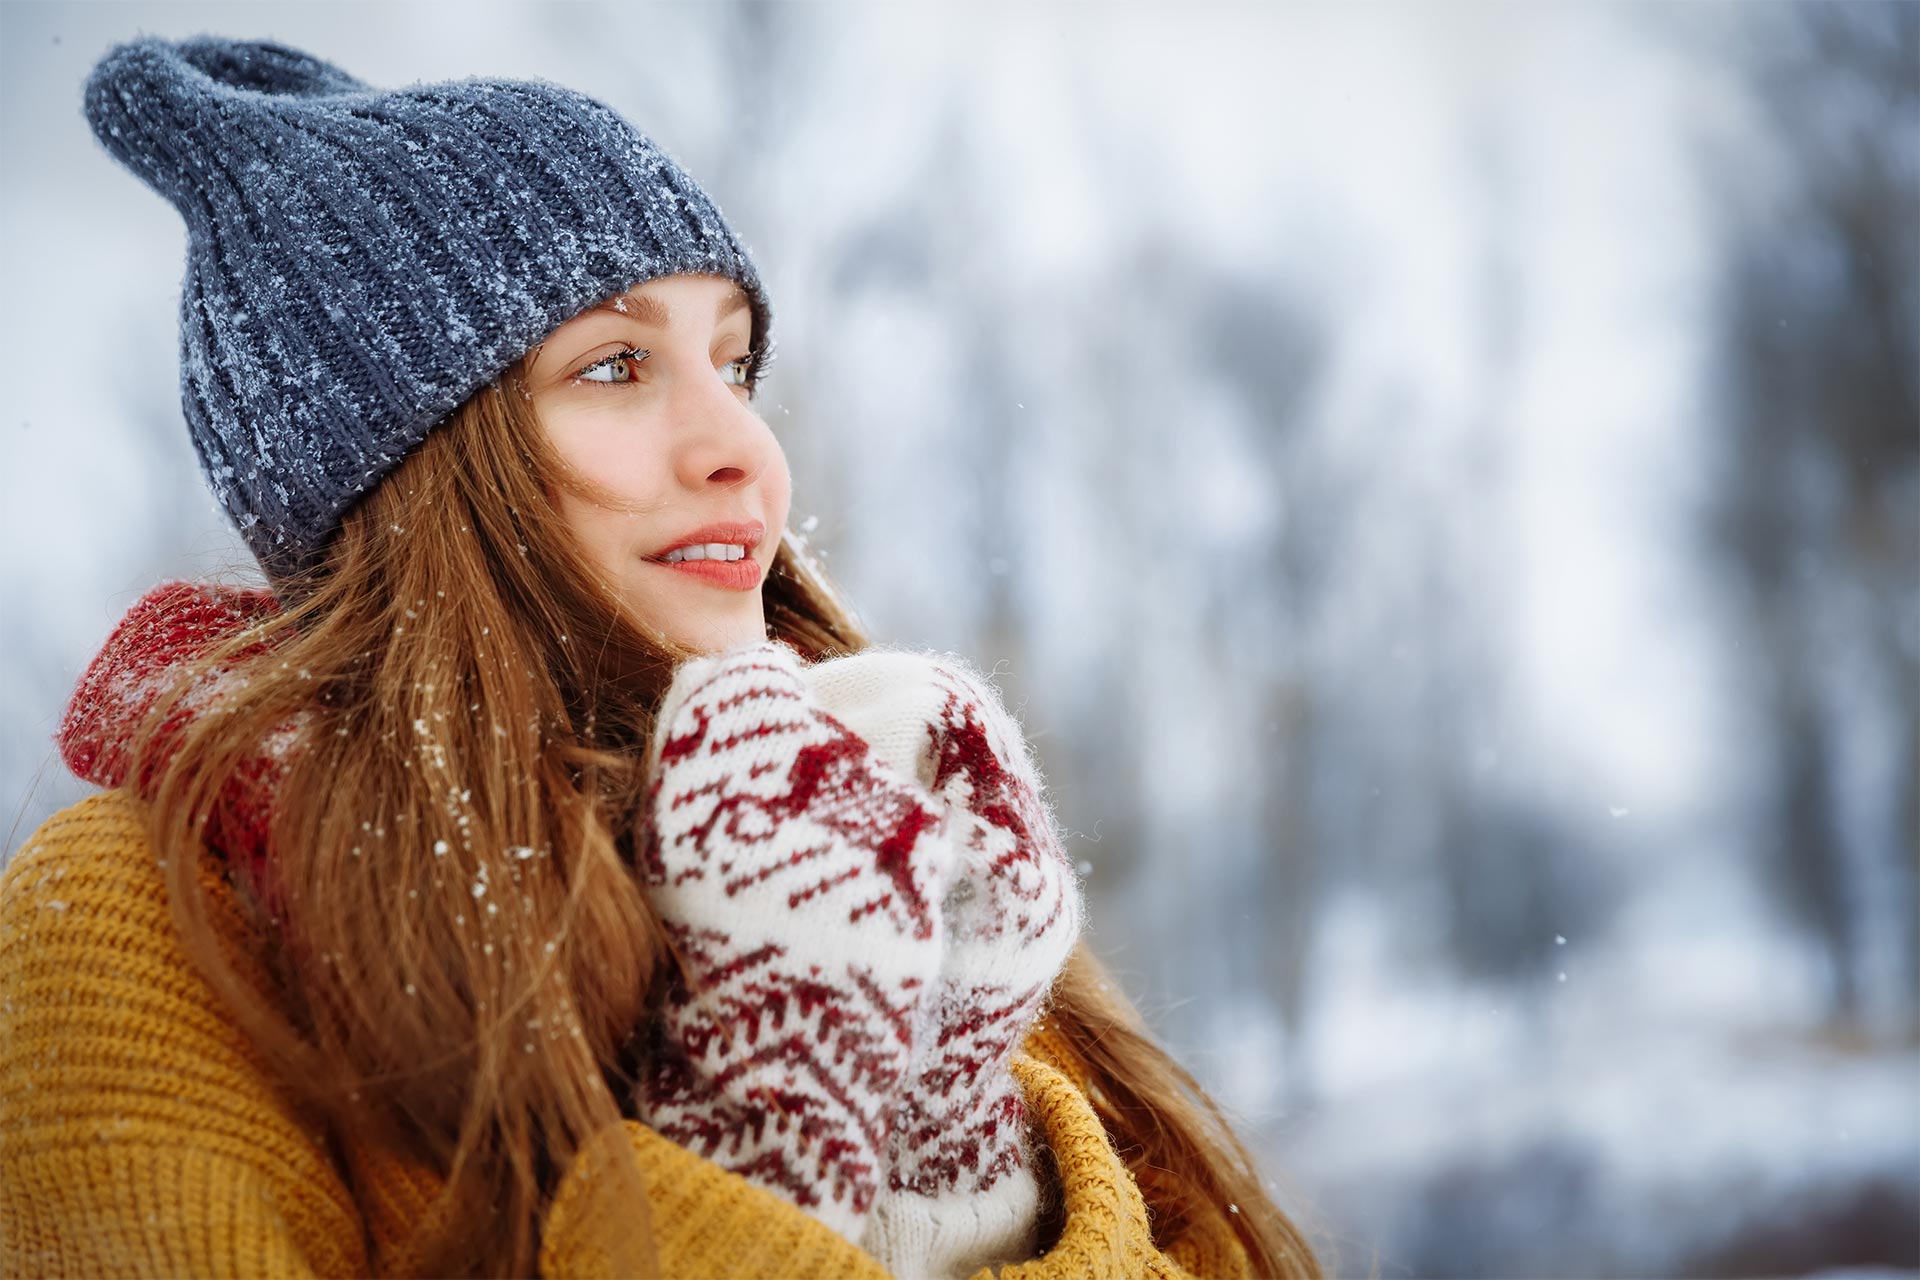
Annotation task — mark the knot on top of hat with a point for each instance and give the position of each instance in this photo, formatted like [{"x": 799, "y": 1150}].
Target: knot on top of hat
[
  {"x": 182, "y": 68},
  {"x": 145, "y": 96}
]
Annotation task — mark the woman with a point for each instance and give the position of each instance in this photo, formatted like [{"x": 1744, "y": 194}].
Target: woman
[{"x": 545, "y": 874}]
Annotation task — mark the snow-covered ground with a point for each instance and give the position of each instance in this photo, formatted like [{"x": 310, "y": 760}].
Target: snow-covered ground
[
  {"x": 1619, "y": 1122},
  {"x": 1643, "y": 1154}
]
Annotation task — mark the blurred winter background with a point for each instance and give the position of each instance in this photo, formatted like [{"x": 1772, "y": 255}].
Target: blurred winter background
[{"x": 1440, "y": 484}]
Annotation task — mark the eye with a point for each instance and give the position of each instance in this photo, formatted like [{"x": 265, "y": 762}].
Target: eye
[
  {"x": 753, "y": 369},
  {"x": 627, "y": 361}
]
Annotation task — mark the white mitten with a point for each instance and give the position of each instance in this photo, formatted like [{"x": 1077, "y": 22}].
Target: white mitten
[
  {"x": 960, "y": 1191},
  {"x": 801, "y": 879}
]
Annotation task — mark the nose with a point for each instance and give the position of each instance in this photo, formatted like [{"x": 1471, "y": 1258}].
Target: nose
[{"x": 723, "y": 442}]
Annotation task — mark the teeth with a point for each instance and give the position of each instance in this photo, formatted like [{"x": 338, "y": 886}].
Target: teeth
[{"x": 710, "y": 551}]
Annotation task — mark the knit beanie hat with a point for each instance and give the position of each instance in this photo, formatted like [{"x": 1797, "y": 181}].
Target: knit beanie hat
[{"x": 361, "y": 261}]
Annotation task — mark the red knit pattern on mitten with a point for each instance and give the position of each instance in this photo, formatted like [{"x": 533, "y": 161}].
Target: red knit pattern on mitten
[
  {"x": 801, "y": 878},
  {"x": 1012, "y": 916},
  {"x": 961, "y": 1191}
]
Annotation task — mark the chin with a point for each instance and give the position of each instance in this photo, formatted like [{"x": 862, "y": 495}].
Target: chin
[{"x": 721, "y": 639}]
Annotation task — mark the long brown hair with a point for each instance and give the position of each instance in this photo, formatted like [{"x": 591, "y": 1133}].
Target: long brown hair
[{"x": 461, "y": 950}]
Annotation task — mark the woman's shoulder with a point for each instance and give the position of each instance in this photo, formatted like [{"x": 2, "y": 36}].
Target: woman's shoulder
[
  {"x": 86, "y": 923},
  {"x": 91, "y": 856},
  {"x": 91, "y": 867},
  {"x": 130, "y": 1102}
]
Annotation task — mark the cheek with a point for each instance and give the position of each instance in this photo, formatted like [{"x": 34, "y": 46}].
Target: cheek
[
  {"x": 616, "y": 473},
  {"x": 611, "y": 519},
  {"x": 608, "y": 458},
  {"x": 777, "y": 485},
  {"x": 596, "y": 531}
]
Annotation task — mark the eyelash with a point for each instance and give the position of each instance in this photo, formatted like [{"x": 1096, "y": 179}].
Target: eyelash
[{"x": 754, "y": 376}]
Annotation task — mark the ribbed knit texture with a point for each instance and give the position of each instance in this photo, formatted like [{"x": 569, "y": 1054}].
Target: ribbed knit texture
[
  {"x": 361, "y": 261},
  {"x": 139, "y": 1134}
]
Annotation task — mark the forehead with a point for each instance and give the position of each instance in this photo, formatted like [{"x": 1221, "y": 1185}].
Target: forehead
[{"x": 659, "y": 302}]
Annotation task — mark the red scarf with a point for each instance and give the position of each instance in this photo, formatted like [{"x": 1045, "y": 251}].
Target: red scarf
[{"x": 175, "y": 622}]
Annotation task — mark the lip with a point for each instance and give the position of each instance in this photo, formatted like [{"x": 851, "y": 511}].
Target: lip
[
  {"x": 746, "y": 532},
  {"x": 733, "y": 575}
]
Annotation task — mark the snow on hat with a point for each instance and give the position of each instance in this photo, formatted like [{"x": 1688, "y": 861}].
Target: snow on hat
[{"x": 361, "y": 261}]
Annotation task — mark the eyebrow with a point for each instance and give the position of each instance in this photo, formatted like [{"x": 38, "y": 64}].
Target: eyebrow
[{"x": 652, "y": 311}]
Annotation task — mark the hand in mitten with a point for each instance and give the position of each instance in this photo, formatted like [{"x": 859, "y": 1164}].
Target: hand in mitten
[
  {"x": 1013, "y": 913},
  {"x": 800, "y": 879}
]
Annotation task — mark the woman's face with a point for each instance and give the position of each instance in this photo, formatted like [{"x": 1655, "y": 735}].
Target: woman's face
[{"x": 673, "y": 453}]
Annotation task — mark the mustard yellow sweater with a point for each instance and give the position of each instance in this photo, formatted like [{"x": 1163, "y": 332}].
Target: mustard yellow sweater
[{"x": 139, "y": 1134}]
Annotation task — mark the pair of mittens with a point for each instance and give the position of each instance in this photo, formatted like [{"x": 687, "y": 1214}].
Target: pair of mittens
[{"x": 870, "y": 901}]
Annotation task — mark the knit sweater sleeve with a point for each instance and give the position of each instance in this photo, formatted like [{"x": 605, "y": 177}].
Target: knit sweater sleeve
[
  {"x": 710, "y": 1222},
  {"x": 138, "y": 1133},
  {"x": 707, "y": 1221}
]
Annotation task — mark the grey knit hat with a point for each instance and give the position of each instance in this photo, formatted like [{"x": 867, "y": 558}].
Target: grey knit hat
[{"x": 361, "y": 261}]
